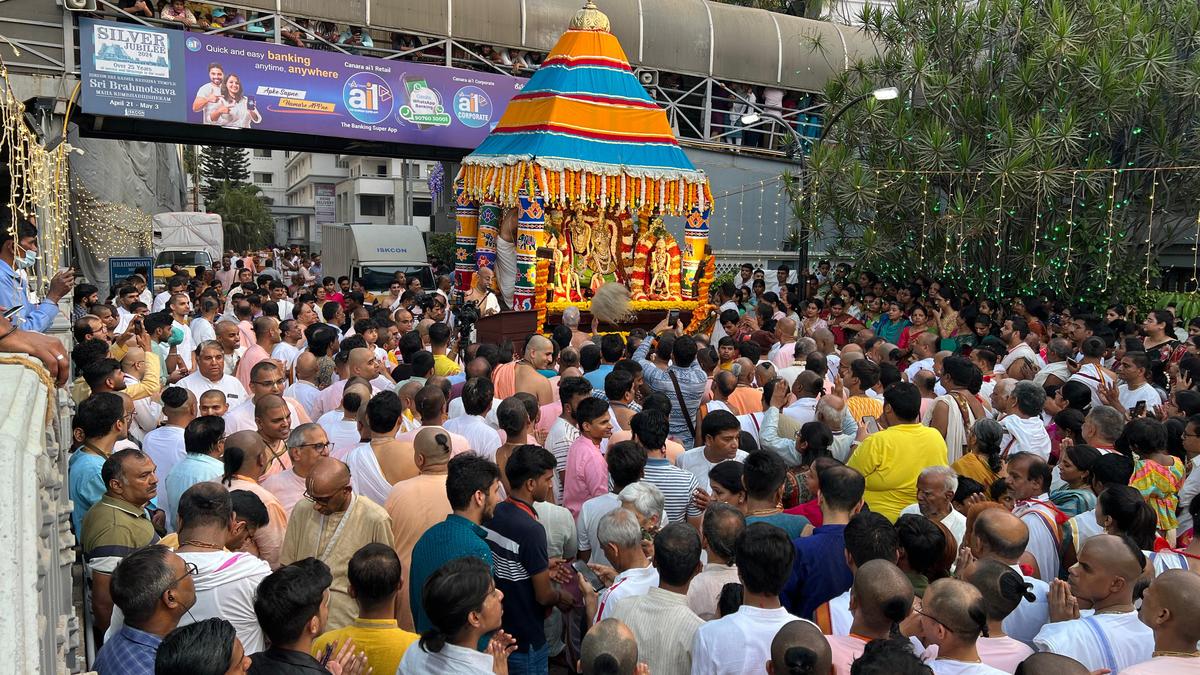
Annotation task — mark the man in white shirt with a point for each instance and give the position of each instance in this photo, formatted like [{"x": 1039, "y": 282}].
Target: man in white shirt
[
  {"x": 620, "y": 536},
  {"x": 175, "y": 285},
  {"x": 1132, "y": 370},
  {"x": 266, "y": 378},
  {"x": 1191, "y": 484},
  {"x": 999, "y": 535},
  {"x": 477, "y": 396},
  {"x": 1091, "y": 369},
  {"x": 1029, "y": 482},
  {"x": 181, "y": 309},
  {"x": 1056, "y": 371},
  {"x": 741, "y": 642},
  {"x": 1026, "y": 431},
  {"x": 1170, "y": 608},
  {"x": 662, "y": 622},
  {"x": 203, "y": 327},
  {"x": 923, "y": 349},
  {"x": 303, "y": 388},
  {"x": 1021, "y": 360},
  {"x": 291, "y": 334},
  {"x": 341, "y": 423},
  {"x": 210, "y": 374},
  {"x": 1110, "y": 636},
  {"x": 721, "y": 433},
  {"x": 165, "y": 444},
  {"x": 807, "y": 387},
  {"x": 935, "y": 492}
]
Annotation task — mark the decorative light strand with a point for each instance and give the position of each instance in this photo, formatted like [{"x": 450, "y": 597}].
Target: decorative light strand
[
  {"x": 1112, "y": 198},
  {"x": 1150, "y": 227},
  {"x": 1070, "y": 230}
]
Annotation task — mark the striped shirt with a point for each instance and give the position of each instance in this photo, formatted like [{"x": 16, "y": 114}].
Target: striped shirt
[
  {"x": 677, "y": 487},
  {"x": 518, "y": 544},
  {"x": 664, "y": 627},
  {"x": 864, "y": 406},
  {"x": 692, "y": 382}
]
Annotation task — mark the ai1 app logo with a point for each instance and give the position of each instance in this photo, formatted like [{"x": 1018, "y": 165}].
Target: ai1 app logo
[
  {"x": 368, "y": 98},
  {"x": 473, "y": 107}
]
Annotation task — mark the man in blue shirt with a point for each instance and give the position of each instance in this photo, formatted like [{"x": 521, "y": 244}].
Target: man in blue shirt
[
  {"x": 612, "y": 348},
  {"x": 684, "y": 371},
  {"x": 103, "y": 420},
  {"x": 22, "y": 254},
  {"x": 473, "y": 489},
  {"x": 204, "y": 441},
  {"x": 154, "y": 589},
  {"x": 819, "y": 571}
]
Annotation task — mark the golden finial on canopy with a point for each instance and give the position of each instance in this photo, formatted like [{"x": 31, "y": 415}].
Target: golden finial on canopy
[{"x": 591, "y": 18}]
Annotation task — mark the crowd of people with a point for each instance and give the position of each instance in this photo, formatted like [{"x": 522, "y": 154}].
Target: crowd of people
[{"x": 274, "y": 471}]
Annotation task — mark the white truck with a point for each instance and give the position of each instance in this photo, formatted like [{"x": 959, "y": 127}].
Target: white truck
[
  {"x": 187, "y": 239},
  {"x": 374, "y": 253}
]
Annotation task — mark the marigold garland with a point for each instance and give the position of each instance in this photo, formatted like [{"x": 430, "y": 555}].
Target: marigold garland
[
  {"x": 566, "y": 188},
  {"x": 637, "y": 305},
  {"x": 539, "y": 290}
]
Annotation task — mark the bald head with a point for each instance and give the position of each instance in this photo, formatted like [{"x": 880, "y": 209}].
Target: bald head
[
  {"x": 959, "y": 609},
  {"x": 610, "y": 648},
  {"x": 537, "y": 343},
  {"x": 1113, "y": 555},
  {"x": 306, "y": 366},
  {"x": 801, "y": 642},
  {"x": 785, "y": 328},
  {"x": 1001, "y": 534},
  {"x": 264, "y": 404},
  {"x": 263, "y": 326},
  {"x": 808, "y": 385},
  {"x": 359, "y": 362},
  {"x": 1172, "y": 605},
  {"x": 478, "y": 367},
  {"x": 724, "y": 382},
  {"x": 745, "y": 370},
  {"x": 851, "y": 348},
  {"x": 408, "y": 390},
  {"x": 249, "y": 443},
  {"x": 432, "y": 445},
  {"x": 328, "y": 475},
  {"x": 882, "y": 593},
  {"x": 1049, "y": 663}
]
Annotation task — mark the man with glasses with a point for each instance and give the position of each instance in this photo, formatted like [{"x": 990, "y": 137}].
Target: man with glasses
[
  {"x": 953, "y": 616},
  {"x": 117, "y": 525},
  {"x": 331, "y": 525},
  {"x": 306, "y": 444},
  {"x": 210, "y": 374},
  {"x": 154, "y": 588},
  {"x": 266, "y": 379}
]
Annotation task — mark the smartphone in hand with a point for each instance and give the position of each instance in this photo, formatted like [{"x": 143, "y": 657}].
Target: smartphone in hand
[{"x": 592, "y": 578}]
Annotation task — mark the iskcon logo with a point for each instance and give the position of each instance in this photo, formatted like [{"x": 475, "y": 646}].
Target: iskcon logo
[{"x": 367, "y": 97}]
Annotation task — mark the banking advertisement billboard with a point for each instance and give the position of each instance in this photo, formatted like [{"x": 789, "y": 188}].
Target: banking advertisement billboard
[{"x": 149, "y": 73}]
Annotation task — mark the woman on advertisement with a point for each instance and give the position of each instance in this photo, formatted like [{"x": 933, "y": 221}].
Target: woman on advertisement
[{"x": 235, "y": 110}]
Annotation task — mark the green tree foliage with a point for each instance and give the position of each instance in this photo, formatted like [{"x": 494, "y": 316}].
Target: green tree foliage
[
  {"x": 246, "y": 218},
  {"x": 1022, "y": 120},
  {"x": 223, "y": 165},
  {"x": 441, "y": 245}
]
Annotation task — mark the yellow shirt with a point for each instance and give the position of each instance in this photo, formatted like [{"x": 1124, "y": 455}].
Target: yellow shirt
[
  {"x": 444, "y": 366},
  {"x": 382, "y": 641},
  {"x": 892, "y": 460}
]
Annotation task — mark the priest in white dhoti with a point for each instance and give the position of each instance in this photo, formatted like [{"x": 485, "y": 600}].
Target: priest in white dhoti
[
  {"x": 1109, "y": 635},
  {"x": 331, "y": 524}
]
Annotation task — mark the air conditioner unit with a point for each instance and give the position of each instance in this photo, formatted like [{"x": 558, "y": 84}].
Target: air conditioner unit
[
  {"x": 648, "y": 77},
  {"x": 78, "y": 5}
]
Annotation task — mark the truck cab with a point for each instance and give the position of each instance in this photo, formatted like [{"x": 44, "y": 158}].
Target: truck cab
[{"x": 374, "y": 253}]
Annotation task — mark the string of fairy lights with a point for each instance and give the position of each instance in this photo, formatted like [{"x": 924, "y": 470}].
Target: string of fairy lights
[
  {"x": 113, "y": 229},
  {"x": 944, "y": 209},
  {"x": 38, "y": 180}
]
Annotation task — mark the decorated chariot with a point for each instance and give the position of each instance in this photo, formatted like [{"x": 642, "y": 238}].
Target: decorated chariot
[{"x": 586, "y": 163}]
